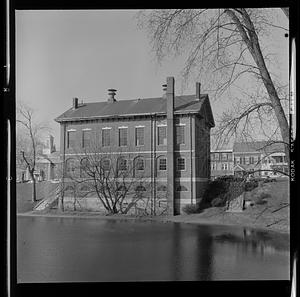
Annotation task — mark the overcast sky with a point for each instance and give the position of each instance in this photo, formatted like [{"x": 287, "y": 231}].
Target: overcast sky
[{"x": 66, "y": 54}]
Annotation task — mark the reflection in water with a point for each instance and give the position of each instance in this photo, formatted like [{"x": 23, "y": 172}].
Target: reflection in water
[
  {"x": 255, "y": 241},
  {"x": 76, "y": 249}
]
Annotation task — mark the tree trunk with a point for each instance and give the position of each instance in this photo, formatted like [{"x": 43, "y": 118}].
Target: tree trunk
[
  {"x": 33, "y": 186},
  {"x": 250, "y": 38}
]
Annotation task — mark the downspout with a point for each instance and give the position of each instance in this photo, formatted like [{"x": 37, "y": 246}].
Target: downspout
[
  {"x": 151, "y": 163},
  {"x": 191, "y": 157},
  {"x": 170, "y": 146}
]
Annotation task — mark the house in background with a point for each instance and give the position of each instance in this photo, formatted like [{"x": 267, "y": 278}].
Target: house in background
[
  {"x": 48, "y": 163},
  {"x": 260, "y": 157},
  {"x": 169, "y": 135},
  {"x": 221, "y": 161}
]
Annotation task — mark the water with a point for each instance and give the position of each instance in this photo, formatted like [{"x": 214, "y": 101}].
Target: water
[{"x": 79, "y": 250}]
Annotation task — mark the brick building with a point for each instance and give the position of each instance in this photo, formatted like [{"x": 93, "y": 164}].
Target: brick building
[
  {"x": 169, "y": 135},
  {"x": 260, "y": 157},
  {"x": 221, "y": 162}
]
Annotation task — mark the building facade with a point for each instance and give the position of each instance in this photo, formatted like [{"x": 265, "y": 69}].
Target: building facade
[
  {"x": 168, "y": 136},
  {"x": 221, "y": 163},
  {"x": 262, "y": 158},
  {"x": 48, "y": 163}
]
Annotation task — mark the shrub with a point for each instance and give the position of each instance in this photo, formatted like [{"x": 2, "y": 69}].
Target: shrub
[
  {"x": 217, "y": 202},
  {"x": 250, "y": 185},
  {"x": 225, "y": 188},
  {"x": 190, "y": 208}
]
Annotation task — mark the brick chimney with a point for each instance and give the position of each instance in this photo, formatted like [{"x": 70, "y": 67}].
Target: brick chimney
[
  {"x": 75, "y": 103},
  {"x": 170, "y": 144},
  {"x": 198, "y": 90},
  {"x": 111, "y": 95},
  {"x": 164, "y": 86}
]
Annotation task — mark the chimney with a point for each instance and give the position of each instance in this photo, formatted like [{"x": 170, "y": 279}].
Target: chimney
[
  {"x": 75, "y": 103},
  {"x": 111, "y": 95},
  {"x": 198, "y": 90},
  {"x": 170, "y": 145},
  {"x": 164, "y": 90}
]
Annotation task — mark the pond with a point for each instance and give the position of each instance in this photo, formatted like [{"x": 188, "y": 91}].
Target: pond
[{"x": 52, "y": 249}]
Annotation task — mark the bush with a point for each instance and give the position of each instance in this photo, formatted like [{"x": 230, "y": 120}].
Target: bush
[
  {"x": 217, "y": 202},
  {"x": 250, "y": 185},
  {"x": 190, "y": 208},
  {"x": 224, "y": 188}
]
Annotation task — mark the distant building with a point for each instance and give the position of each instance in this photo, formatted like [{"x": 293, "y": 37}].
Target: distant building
[
  {"x": 48, "y": 163},
  {"x": 260, "y": 157},
  {"x": 169, "y": 135},
  {"x": 221, "y": 162}
]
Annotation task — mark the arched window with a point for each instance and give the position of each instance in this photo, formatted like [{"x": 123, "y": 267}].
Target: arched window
[
  {"x": 70, "y": 167},
  {"x": 122, "y": 164},
  {"x": 105, "y": 164},
  {"x": 181, "y": 188},
  {"x": 84, "y": 167},
  {"x": 162, "y": 188},
  {"x": 84, "y": 188},
  {"x": 69, "y": 189},
  {"x": 122, "y": 188},
  {"x": 140, "y": 188},
  {"x": 139, "y": 164}
]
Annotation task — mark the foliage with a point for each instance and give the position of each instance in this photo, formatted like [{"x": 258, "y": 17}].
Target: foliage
[
  {"x": 191, "y": 208},
  {"x": 217, "y": 202},
  {"x": 223, "y": 189},
  {"x": 250, "y": 185}
]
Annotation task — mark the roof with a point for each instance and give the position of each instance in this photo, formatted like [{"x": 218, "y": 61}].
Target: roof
[
  {"x": 182, "y": 104},
  {"x": 258, "y": 147}
]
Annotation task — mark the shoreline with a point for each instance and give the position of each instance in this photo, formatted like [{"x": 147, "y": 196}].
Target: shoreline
[{"x": 186, "y": 219}]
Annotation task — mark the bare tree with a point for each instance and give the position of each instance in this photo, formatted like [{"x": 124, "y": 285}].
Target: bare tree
[
  {"x": 29, "y": 139},
  {"x": 117, "y": 180},
  {"x": 223, "y": 47}
]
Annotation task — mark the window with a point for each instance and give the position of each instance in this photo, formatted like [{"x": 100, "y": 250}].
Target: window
[
  {"x": 243, "y": 160},
  {"x": 123, "y": 136},
  {"x": 139, "y": 164},
  {"x": 224, "y": 156},
  {"x": 181, "y": 188},
  {"x": 70, "y": 167},
  {"x": 139, "y": 136},
  {"x": 106, "y": 137},
  {"x": 84, "y": 188},
  {"x": 180, "y": 134},
  {"x": 217, "y": 156},
  {"x": 247, "y": 160},
  {"x": 86, "y": 138},
  {"x": 224, "y": 166},
  {"x": 213, "y": 166},
  {"x": 140, "y": 188},
  {"x": 69, "y": 189},
  {"x": 122, "y": 164},
  {"x": 162, "y": 188},
  {"x": 84, "y": 167},
  {"x": 229, "y": 156},
  {"x": 251, "y": 160},
  {"x": 162, "y": 135},
  {"x": 162, "y": 164},
  {"x": 180, "y": 164},
  {"x": 105, "y": 164},
  {"x": 237, "y": 160},
  {"x": 71, "y": 141},
  {"x": 212, "y": 156}
]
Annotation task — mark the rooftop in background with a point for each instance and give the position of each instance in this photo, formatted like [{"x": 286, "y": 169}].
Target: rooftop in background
[
  {"x": 183, "y": 105},
  {"x": 258, "y": 146}
]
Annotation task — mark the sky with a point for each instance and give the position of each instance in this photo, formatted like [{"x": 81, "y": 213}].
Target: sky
[{"x": 64, "y": 54}]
